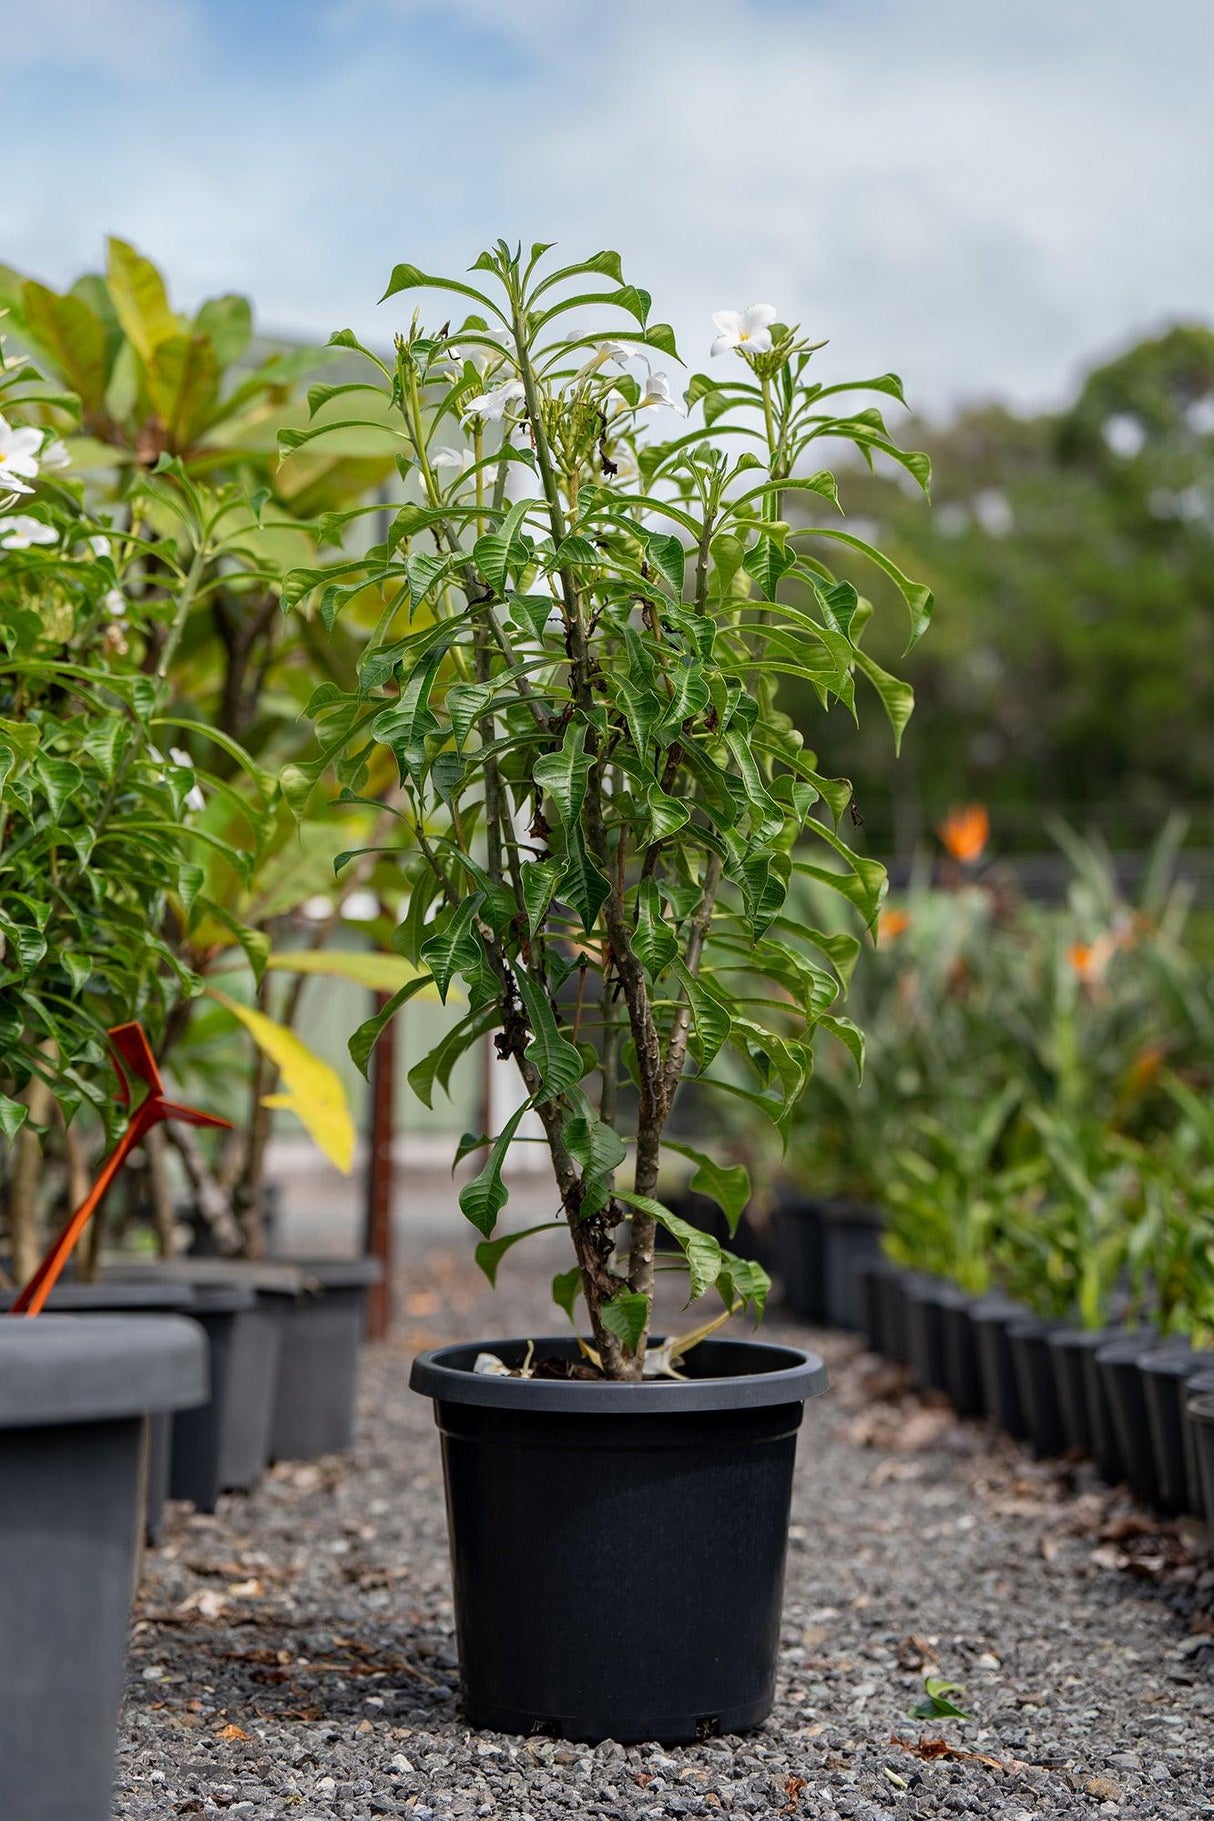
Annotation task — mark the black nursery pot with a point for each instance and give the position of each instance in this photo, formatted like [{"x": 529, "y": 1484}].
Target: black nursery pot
[
  {"x": 851, "y": 1238},
  {"x": 1200, "y": 1383},
  {"x": 566, "y": 1623},
  {"x": 800, "y": 1255},
  {"x": 893, "y": 1290},
  {"x": 1070, "y": 1349},
  {"x": 991, "y": 1318},
  {"x": 1200, "y": 1412},
  {"x": 1164, "y": 1382},
  {"x": 961, "y": 1378},
  {"x": 872, "y": 1282},
  {"x": 322, "y": 1339},
  {"x": 73, "y": 1394},
  {"x": 1117, "y": 1363},
  {"x": 925, "y": 1298},
  {"x": 1029, "y": 1341}
]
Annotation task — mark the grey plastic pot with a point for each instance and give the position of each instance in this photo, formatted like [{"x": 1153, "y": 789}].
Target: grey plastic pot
[
  {"x": 1165, "y": 1376},
  {"x": 252, "y": 1345},
  {"x": 549, "y": 1486},
  {"x": 322, "y": 1337},
  {"x": 72, "y": 1298},
  {"x": 196, "y": 1453},
  {"x": 73, "y": 1397},
  {"x": 991, "y": 1317},
  {"x": 1029, "y": 1341}
]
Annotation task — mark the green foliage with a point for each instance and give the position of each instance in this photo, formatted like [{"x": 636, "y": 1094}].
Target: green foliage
[{"x": 574, "y": 676}]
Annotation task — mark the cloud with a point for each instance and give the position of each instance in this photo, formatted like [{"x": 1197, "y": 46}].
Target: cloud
[
  {"x": 980, "y": 197},
  {"x": 127, "y": 40}
]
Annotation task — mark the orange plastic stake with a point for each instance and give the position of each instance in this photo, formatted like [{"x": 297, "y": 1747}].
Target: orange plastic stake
[{"x": 130, "y": 1046}]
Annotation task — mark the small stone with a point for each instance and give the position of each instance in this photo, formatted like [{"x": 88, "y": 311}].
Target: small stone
[{"x": 1104, "y": 1788}]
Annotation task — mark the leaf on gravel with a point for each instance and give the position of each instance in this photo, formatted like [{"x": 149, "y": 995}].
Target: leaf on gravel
[{"x": 232, "y": 1731}]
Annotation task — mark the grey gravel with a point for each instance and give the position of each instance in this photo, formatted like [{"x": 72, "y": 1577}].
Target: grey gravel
[{"x": 293, "y": 1657}]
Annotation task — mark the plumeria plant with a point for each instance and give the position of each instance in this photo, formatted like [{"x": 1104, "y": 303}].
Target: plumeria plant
[{"x": 584, "y": 626}]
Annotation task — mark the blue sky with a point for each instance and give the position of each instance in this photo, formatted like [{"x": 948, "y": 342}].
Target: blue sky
[{"x": 983, "y": 195}]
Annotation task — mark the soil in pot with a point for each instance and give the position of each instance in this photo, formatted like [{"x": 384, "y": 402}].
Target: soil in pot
[
  {"x": 961, "y": 1378},
  {"x": 618, "y": 1550},
  {"x": 322, "y": 1339},
  {"x": 992, "y": 1317},
  {"x": 1029, "y": 1341},
  {"x": 73, "y": 1394}
]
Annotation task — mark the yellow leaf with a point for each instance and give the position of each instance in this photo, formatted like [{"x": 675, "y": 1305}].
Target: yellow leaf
[
  {"x": 382, "y": 973},
  {"x": 313, "y": 1091}
]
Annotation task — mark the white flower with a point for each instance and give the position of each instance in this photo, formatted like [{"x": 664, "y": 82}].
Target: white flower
[
  {"x": 18, "y": 457},
  {"x": 482, "y": 358},
  {"x": 115, "y": 602},
  {"x": 657, "y": 392},
  {"x": 748, "y": 329},
  {"x": 620, "y": 351},
  {"x": 56, "y": 454},
  {"x": 194, "y": 797},
  {"x": 493, "y": 405},
  {"x": 19, "y": 531},
  {"x": 100, "y": 546},
  {"x": 444, "y": 457}
]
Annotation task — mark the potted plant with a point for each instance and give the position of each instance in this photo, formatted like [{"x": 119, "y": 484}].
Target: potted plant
[{"x": 576, "y": 671}]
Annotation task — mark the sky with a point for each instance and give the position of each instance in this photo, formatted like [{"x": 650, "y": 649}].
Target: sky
[{"x": 983, "y": 195}]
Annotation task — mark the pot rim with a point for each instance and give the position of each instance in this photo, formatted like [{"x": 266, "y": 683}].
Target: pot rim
[
  {"x": 798, "y": 1375},
  {"x": 57, "y": 1369},
  {"x": 1201, "y": 1408}
]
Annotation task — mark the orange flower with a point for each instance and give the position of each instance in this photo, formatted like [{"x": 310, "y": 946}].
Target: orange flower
[
  {"x": 1090, "y": 960},
  {"x": 891, "y": 923},
  {"x": 965, "y": 833}
]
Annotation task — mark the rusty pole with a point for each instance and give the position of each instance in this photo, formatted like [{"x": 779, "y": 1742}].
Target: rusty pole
[{"x": 378, "y": 1224}]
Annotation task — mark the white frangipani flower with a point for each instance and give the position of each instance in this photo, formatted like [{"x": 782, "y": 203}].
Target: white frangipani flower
[
  {"x": 115, "y": 602},
  {"x": 657, "y": 392},
  {"x": 749, "y": 329},
  {"x": 620, "y": 351},
  {"x": 492, "y": 406},
  {"x": 194, "y": 797},
  {"x": 18, "y": 457},
  {"x": 56, "y": 454},
  {"x": 100, "y": 546},
  {"x": 18, "y": 531},
  {"x": 443, "y": 457}
]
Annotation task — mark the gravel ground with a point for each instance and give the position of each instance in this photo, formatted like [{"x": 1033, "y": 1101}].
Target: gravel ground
[{"x": 293, "y": 1657}]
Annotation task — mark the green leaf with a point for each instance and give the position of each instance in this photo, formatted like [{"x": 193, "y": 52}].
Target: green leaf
[
  {"x": 849, "y": 1035},
  {"x": 466, "y": 703},
  {"x": 937, "y": 1705},
  {"x": 539, "y": 881},
  {"x": 566, "y": 1288},
  {"x": 727, "y": 1185},
  {"x": 558, "y": 1064},
  {"x": 72, "y": 336},
  {"x": 367, "y": 1035},
  {"x": 626, "y": 1316},
  {"x": 564, "y": 774},
  {"x": 666, "y": 814},
  {"x": 140, "y": 300},
  {"x": 435, "y": 1067},
  {"x": 898, "y": 697},
  {"x": 918, "y": 598},
  {"x": 13, "y": 1115},
  {"x": 490, "y": 1252},
  {"x": 60, "y": 779},
  {"x": 482, "y": 1199},
  {"x": 711, "y": 1018},
  {"x": 653, "y": 939},
  {"x": 455, "y": 948},
  {"x": 669, "y": 556},
  {"x": 582, "y": 883},
  {"x": 700, "y": 1249},
  {"x": 766, "y": 562}
]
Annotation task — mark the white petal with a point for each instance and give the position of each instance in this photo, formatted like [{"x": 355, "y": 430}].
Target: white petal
[
  {"x": 10, "y": 482},
  {"x": 114, "y": 602},
  {"x": 757, "y": 317},
  {"x": 723, "y": 343},
  {"x": 758, "y": 343},
  {"x": 729, "y": 322},
  {"x": 24, "y": 442},
  {"x": 56, "y": 454}
]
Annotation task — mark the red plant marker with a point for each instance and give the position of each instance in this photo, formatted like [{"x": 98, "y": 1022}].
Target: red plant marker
[{"x": 131, "y": 1047}]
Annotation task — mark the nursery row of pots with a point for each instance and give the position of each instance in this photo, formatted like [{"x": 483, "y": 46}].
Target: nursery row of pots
[
  {"x": 178, "y": 1379},
  {"x": 1139, "y": 1403}
]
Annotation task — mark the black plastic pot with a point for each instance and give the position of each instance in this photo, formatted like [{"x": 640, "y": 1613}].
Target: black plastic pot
[
  {"x": 871, "y": 1282},
  {"x": 990, "y": 1318},
  {"x": 1164, "y": 1382},
  {"x": 925, "y": 1330},
  {"x": 800, "y": 1256},
  {"x": 1200, "y": 1413},
  {"x": 1117, "y": 1363},
  {"x": 73, "y": 1298},
  {"x": 892, "y": 1289},
  {"x": 196, "y": 1453},
  {"x": 1029, "y": 1341},
  {"x": 73, "y": 1394},
  {"x": 851, "y": 1237},
  {"x": 1200, "y": 1383},
  {"x": 618, "y": 1550},
  {"x": 1069, "y": 1347},
  {"x": 961, "y": 1378},
  {"x": 322, "y": 1338}
]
